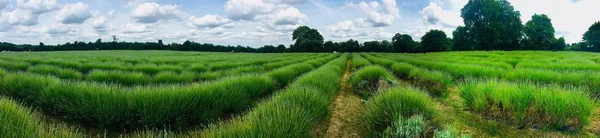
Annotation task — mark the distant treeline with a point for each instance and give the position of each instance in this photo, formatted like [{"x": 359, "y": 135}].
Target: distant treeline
[{"x": 488, "y": 25}]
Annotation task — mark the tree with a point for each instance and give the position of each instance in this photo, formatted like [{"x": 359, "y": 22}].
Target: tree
[
  {"x": 592, "y": 37},
  {"x": 539, "y": 33},
  {"x": 492, "y": 25},
  {"x": 435, "y": 41},
  {"x": 460, "y": 41},
  {"x": 281, "y": 48},
  {"x": 307, "y": 39},
  {"x": 330, "y": 47},
  {"x": 403, "y": 43},
  {"x": 559, "y": 45}
]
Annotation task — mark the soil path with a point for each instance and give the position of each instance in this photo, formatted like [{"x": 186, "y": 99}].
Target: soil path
[{"x": 346, "y": 109}]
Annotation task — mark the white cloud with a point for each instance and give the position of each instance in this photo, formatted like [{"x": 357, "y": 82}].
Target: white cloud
[
  {"x": 73, "y": 13},
  {"x": 435, "y": 15},
  {"x": 291, "y": 2},
  {"x": 247, "y": 9},
  {"x": 37, "y": 6},
  {"x": 289, "y": 16},
  {"x": 357, "y": 29},
  {"x": 131, "y": 28},
  {"x": 210, "y": 21},
  {"x": 379, "y": 14},
  {"x": 153, "y": 12},
  {"x": 57, "y": 29},
  {"x": 19, "y": 17}
]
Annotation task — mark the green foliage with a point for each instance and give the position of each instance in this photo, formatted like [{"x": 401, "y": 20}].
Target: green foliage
[
  {"x": 20, "y": 121},
  {"x": 174, "y": 77},
  {"x": 539, "y": 33},
  {"x": 307, "y": 40},
  {"x": 592, "y": 37},
  {"x": 292, "y": 112},
  {"x": 118, "y": 77},
  {"x": 413, "y": 127},
  {"x": 527, "y": 104},
  {"x": 358, "y": 61},
  {"x": 56, "y": 71},
  {"x": 403, "y": 101},
  {"x": 403, "y": 43},
  {"x": 371, "y": 79},
  {"x": 492, "y": 25},
  {"x": 435, "y": 41}
]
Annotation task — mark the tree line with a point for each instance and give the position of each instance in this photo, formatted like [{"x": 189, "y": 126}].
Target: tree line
[{"x": 488, "y": 25}]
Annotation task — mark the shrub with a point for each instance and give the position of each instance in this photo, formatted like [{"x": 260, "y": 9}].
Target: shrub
[
  {"x": 173, "y": 77},
  {"x": 56, "y": 71},
  {"x": 527, "y": 104},
  {"x": 20, "y": 121},
  {"x": 146, "y": 68},
  {"x": 293, "y": 112},
  {"x": 286, "y": 74},
  {"x": 199, "y": 67},
  {"x": 358, "y": 61},
  {"x": 403, "y": 69},
  {"x": 118, "y": 77},
  {"x": 370, "y": 79},
  {"x": 383, "y": 109}
]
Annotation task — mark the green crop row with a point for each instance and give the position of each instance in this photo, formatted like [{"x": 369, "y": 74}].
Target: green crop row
[
  {"x": 290, "y": 113},
  {"x": 21, "y": 122},
  {"x": 529, "y": 104},
  {"x": 359, "y": 61}
]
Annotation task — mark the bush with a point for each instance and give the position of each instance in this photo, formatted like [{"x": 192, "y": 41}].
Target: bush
[
  {"x": 371, "y": 79},
  {"x": 118, "y": 77},
  {"x": 526, "y": 104},
  {"x": 293, "y": 112},
  {"x": 56, "y": 71},
  {"x": 358, "y": 61},
  {"x": 174, "y": 77},
  {"x": 384, "y": 109},
  {"x": 286, "y": 74}
]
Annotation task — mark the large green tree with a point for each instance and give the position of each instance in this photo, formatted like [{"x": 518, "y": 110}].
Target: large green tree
[
  {"x": 403, "y": 43},
  {"x": 307, "y": 39},
  {"x": 591, "y": 38},
  {"x": 435, "y": 41},
  {"x": 492, "y": 25},
  {"x": 539, "y": 33},
  {"x": 460, "y": 41}
]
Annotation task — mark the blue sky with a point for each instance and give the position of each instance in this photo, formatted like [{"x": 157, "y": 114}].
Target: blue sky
[{"x": 257, "y": 22}]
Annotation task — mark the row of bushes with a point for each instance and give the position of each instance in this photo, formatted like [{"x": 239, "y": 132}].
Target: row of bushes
[
  {"x": 117, "y": 108},
  {"x": 395, "y": 109},
  {"x": 436, "y": 82},
  {"x": 528, "y": 104},
  {"x": 589, "y": 79},
  {"x": 359, "y": 61},
  {"x": 290, "y": 113}
]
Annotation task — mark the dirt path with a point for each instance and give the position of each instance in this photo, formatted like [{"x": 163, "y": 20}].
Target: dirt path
[{"x": 345, "y": 119}]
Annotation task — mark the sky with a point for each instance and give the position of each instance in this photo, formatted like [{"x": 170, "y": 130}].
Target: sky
[{"x": 258, "y": 22}]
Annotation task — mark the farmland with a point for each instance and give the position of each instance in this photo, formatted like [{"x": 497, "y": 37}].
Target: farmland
[{"x": 205, "y": 94}]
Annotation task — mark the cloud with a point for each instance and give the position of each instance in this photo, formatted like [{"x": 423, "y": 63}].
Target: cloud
[
  {"x": 210, "y": 21},
  {"x": 57, "y": 29},
  {"x": 37, "y": 6},
  {"x": 135, "y": 28},
  {"x": 153, "y": 12},
  {"x": 357, "y": 29},
  {"x": 435, "y": 15},
  {"x": 289, "y": 16},
  {"x": 379, "y": 14},
  {"x": 19, "y": 17},
  {"x": 291, "y": 2},
  {"x": 73, "y": 13},
  {"x": 247, "y": 9}
]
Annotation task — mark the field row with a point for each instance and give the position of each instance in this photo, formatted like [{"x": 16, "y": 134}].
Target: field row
[
  {"x": 523, "y": 103},
  {"x": 172, "y": 107}
]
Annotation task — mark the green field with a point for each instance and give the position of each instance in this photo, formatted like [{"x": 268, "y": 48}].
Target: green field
[{"x": 203, "y": 94}]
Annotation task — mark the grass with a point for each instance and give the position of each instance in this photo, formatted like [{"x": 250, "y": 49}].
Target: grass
[
  {"x": 528, "y": 105},
  {"x": 55, "y": 71},
  {"x": 118, "y": 77},
  {"x": 286, "y": 74}
]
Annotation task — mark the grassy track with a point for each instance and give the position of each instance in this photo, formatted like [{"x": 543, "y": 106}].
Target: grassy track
[{"x": 345, "y": 119}]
